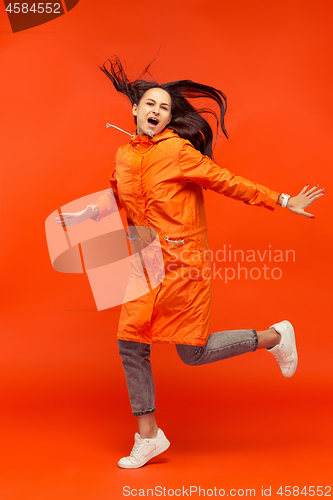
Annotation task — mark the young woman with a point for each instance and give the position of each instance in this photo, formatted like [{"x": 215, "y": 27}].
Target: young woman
[{"x": 158, "y": 179}]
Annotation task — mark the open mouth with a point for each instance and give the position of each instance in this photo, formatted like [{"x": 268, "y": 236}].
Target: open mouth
[{"x": 153, "y": 122}]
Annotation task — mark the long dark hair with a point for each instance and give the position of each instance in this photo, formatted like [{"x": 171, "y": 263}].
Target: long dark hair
[{"x": 186, "y": 121}]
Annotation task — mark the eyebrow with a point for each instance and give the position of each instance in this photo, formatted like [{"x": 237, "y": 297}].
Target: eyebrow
[{"x": 164, "y": 103}]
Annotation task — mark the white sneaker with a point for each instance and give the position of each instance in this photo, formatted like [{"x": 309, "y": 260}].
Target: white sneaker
[
  {"x": 285, "y": 352},
  {"x": 144, "y": 449}
]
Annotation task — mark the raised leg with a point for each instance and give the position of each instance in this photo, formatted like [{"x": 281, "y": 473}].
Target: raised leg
[
  {"x": 220, "y": 345},
  {"x": 268, "y": 338}
]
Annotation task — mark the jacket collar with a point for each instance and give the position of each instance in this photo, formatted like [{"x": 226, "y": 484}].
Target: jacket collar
[{"x": 147, "y": 140}]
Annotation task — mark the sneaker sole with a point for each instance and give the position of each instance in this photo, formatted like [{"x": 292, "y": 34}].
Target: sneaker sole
[
  {"x": 153, "y": 454},
  {"x": 290, "y": 373}
]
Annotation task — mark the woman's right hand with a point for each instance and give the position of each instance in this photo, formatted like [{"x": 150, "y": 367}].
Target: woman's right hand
[{"x": 71, "y": 219}]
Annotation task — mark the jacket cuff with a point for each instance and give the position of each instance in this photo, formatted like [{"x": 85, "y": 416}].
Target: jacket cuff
[
  {"x": 264, "y": 197},
  {"x": 272, "y": 198},
  {"x": 106, "y": 205}
]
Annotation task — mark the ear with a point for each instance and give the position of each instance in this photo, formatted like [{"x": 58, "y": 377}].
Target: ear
[
  {"x": 135, "y": 110},
  {"x": 170, "y": 119}
]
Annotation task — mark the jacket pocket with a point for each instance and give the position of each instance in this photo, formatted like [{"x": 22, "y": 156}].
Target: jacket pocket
[{"x": 185, "y": 257}]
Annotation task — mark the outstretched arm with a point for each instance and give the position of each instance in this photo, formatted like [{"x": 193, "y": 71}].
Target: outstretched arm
[
  {"x": 202, "y": 170},
  {"x": 106, "y": 204},
  {"x": 303, "y": 200},
  {"x": 194, "y": 167}
]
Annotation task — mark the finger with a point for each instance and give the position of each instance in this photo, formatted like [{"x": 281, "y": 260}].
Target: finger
[
  {"x": 65, "y": 220},
  {"x": 302, "y": 212},
  {"x": 65, "y": 217},
  {"x": 319, "y": 195},
  {"x": 63, "y": 223},
  {"x": 311, "y": 190},
  {"x": 304, "y": 189},
  {"x": 315, "y": 195},
  {"x": 320, "y": 190},
  {"x": 310, "y": 216}
]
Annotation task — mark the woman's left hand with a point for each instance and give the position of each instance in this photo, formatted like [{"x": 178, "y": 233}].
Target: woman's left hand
[{"x": 298, "y": 203}]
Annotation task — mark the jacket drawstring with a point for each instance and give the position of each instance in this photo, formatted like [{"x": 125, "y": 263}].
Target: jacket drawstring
[
  {"x": 128, "y": 236},
  {"x": 151, "y": 135},
  {"x": 173, "y": 241},
  {"x": 121, "y": 130}
]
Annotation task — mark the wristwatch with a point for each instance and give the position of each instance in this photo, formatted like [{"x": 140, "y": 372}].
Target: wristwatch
[{"x": 285, "y": 199}]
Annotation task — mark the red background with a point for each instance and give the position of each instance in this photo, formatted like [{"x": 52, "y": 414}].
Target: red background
[{"x": 237, "y": 424}]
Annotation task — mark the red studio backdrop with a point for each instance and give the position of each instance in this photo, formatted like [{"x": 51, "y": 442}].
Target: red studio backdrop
[{"x": 234, "y": 426}]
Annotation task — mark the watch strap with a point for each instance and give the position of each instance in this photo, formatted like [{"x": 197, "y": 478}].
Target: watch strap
[{"x": 285, "y": 199}]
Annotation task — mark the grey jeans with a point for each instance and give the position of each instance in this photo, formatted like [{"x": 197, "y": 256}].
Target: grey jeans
[{"x": 139, "y": 378}]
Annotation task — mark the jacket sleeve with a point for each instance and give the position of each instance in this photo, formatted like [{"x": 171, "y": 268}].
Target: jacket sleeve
[
  {"x": 202, "y": 170},
  {"x": 109, "y": 202}
]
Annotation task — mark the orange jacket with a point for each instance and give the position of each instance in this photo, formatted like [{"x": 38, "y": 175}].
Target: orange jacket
[{"x": 159, "y": 182}]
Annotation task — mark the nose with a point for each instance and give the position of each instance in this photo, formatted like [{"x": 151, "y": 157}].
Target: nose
[{"x": 155, "y": 111}]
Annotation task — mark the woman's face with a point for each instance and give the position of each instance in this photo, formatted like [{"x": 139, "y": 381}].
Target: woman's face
[{"x": 153, "y": 113}]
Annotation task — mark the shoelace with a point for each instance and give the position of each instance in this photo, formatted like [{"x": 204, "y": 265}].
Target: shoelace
[
  {"x": 281, "y": 355},
  {"x": 135, "y": 449}
]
